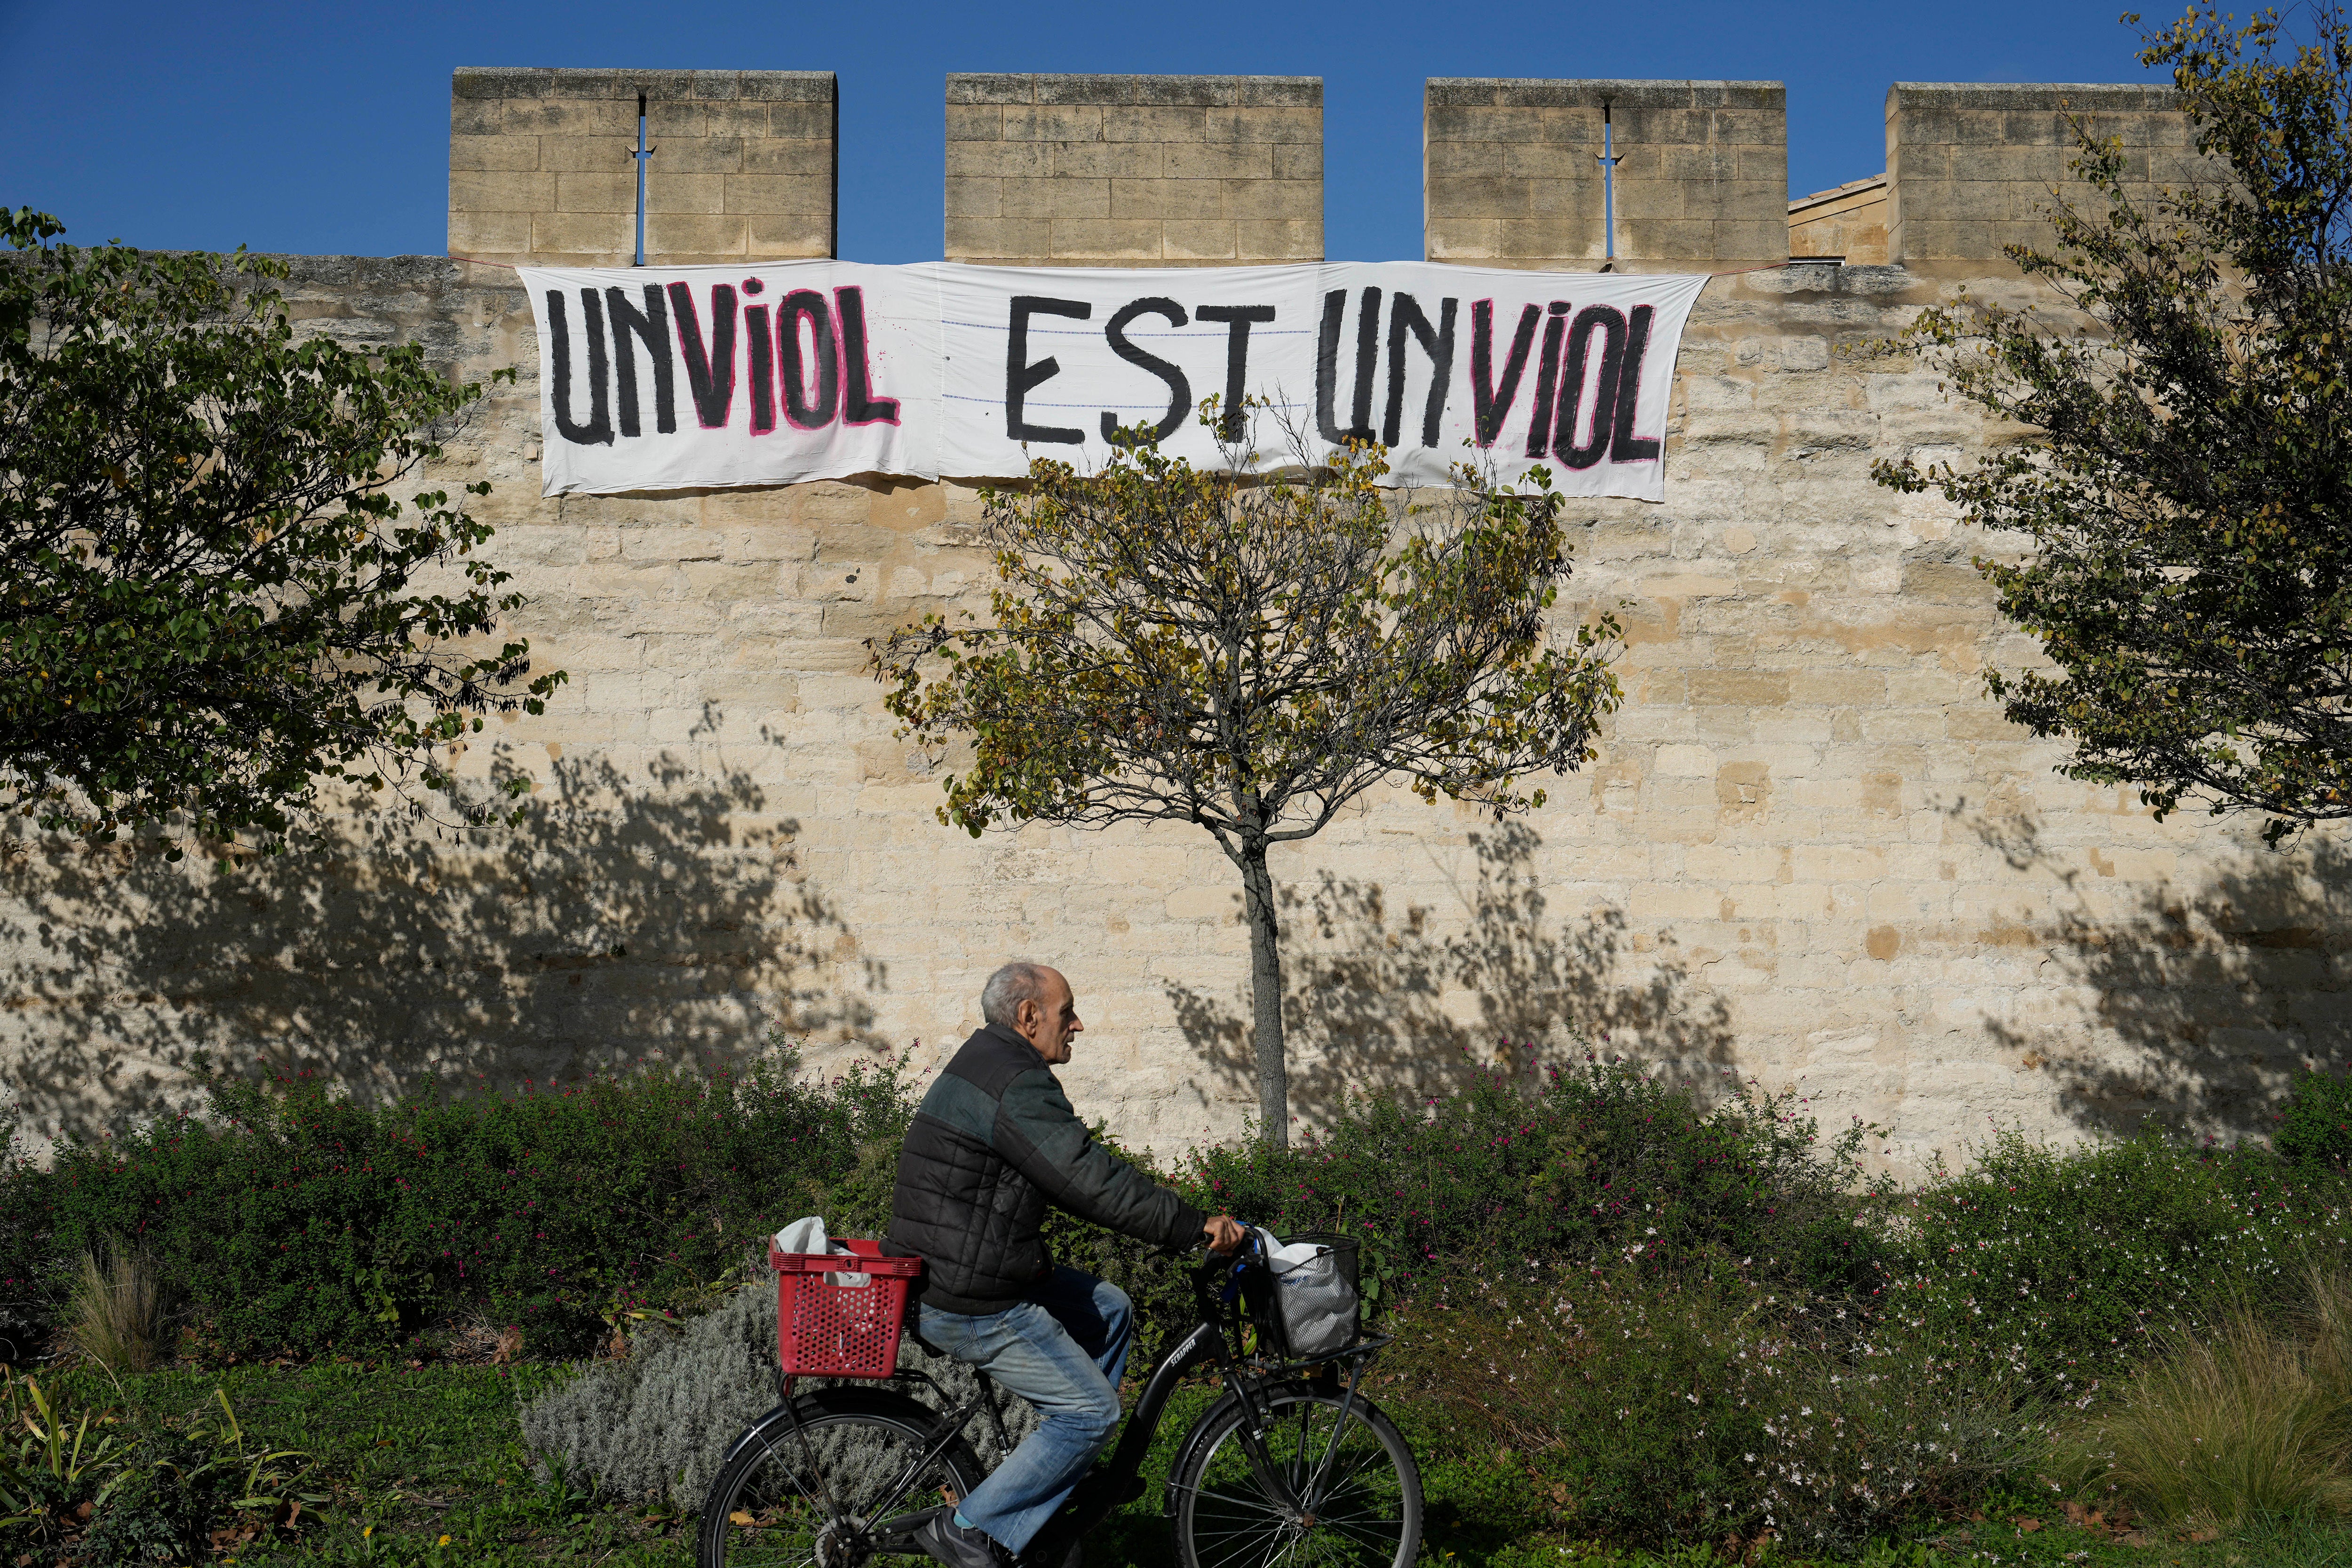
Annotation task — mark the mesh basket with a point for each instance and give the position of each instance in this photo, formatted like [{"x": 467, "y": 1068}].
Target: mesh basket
[
  {"x": 1259, "y": 1292},
  {"x": 826, "y": 1329}
]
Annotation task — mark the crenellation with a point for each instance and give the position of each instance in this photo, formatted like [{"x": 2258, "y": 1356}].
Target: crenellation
[
  {"x": 543, "y": 169},
  {"x": 1134, "y": 171},
  {"x": 1701, "y": 171},
  {"x": 1971, "y": 168}
]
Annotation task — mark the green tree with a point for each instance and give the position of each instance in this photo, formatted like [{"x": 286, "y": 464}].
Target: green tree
[
  {"x": 1251, "y": 655},
  {"x": 2186, "y": 486},
  {"x": 213, "y": 601}
]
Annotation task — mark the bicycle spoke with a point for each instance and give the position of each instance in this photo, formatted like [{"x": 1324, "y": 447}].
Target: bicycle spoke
[
  {"x": 1240, "y": 1553},
  {"x": 1361, "y": 1511},
  {"x": 1234, "y": 1499},
  {"x": 811, "y": 1496}
]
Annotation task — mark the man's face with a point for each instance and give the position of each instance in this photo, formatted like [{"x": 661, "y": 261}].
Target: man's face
[{"x": 1049, "y": 1019}]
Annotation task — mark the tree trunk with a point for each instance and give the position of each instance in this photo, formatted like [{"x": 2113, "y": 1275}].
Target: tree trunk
[{"x": 1265, "y": 997}]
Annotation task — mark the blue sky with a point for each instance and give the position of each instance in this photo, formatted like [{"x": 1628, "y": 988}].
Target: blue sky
[{"x": 323, "y": 128}]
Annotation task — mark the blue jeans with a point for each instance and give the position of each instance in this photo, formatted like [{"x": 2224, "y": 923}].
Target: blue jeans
[{"x": 1063, "y": 1350}]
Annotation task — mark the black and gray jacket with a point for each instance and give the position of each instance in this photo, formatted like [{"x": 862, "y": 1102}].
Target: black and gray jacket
[{"x": 994, "y": 1143}]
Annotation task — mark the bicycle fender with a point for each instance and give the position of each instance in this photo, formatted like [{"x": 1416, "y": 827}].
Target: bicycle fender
[
  {"x": 753, "y": 1436},
  {"x": 762, "y": 1432}
]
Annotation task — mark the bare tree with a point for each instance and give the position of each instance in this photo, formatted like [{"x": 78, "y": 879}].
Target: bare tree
[{"x": 1251, "y": 654}]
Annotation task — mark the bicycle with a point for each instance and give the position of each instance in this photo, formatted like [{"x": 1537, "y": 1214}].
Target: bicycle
[{"x": 1291, "y": 1463}]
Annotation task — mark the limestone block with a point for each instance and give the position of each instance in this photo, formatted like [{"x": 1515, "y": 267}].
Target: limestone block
[
  {"x": 1106, "y": 160},
  {"x": 1157, "y": 198},
  {"x": 1106, "y": 239},
  {"x": 771, "y": 194},
  {"x": 597, "y": 238},
  {"x": 477, "y": 234},
  {"x": 975, "y": 122},
  {"x": 1004, "y": 160},
  {"x": 724, "y": 155},
  {"x": 974, "y": 198},
  {"x": 1217, "y": 161},
  {"x": 696, "y": 235},
  {"x": 599, "y": 193},
  {"x": 1203, "y": 240},
  {"x": 1055, "y": 198},
  {"x": 1168, "y": 123}
]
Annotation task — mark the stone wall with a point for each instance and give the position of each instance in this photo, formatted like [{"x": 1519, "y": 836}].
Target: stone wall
[
  {"x": 1135, "y": 171},
  {"x": 542, "y": 167},
  {"x": 1971, "y": 168},
  {"x": 1812, "y": 850},
  {"x": 1846, "y": 222},
  {"x": 1512, "y": 174}
]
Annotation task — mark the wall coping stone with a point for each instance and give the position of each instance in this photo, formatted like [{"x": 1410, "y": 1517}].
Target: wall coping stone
[
  {"x": 2034, "y": 95},
  {"x": 551, "y": 81},
  {"x": 1175, "y": 92},
  {"x": 1536, "y": 92}
]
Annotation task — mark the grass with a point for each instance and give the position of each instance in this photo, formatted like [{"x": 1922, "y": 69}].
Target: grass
[
  {"x": 117, "y": 1313},
  {"x": 425, "y": 1468},
  {"x": 2252, "y": 1421}
]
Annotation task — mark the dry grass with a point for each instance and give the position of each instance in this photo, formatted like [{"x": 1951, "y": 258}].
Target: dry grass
[
  {"x": 119, "y": 1312},
  {"x": 2251, "y": 1422}
]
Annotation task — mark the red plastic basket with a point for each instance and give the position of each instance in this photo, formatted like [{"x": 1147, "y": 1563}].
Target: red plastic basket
[{"x": 824, "y": 1329}]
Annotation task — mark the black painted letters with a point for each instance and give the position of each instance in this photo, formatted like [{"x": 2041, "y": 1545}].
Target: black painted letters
[
  {"x": 1238, "y": 320},
  {"x": 598, "y": 431}
]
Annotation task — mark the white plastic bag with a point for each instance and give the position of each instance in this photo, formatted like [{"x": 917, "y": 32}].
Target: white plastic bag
[
  {"x": 807, "y": 1235},
  {"x": 1319, "y": 1306}
]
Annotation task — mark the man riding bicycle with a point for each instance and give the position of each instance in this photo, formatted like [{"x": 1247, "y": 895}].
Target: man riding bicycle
[{"x": 993, "y": 1146}]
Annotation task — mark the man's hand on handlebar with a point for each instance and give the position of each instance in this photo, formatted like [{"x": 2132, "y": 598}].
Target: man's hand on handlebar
[{"x": 1224, "y": 1233}]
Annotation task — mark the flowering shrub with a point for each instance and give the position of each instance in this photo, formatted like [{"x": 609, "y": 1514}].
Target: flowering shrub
[
  {"x": 1709, "y": 1409},
  {"x": 292, "y": 1218},
  {"x": 1597, "y": 1161},
  {"x": 2063, "y": 1263}
]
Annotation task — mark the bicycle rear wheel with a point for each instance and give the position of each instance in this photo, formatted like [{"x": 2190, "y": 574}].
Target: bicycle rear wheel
[
  {"x": 808, "y": 1493},
  {"x": 1365, "y": 1513}
]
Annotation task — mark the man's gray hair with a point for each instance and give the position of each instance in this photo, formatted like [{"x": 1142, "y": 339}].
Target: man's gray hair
[{"x": 1001, "y": 998}]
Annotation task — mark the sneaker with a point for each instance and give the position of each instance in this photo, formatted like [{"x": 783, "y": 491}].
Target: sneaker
[{"x": 957, "y": 1545}]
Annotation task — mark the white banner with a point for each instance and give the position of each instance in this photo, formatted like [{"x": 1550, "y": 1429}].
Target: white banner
[{"x": 657, "y": 378}]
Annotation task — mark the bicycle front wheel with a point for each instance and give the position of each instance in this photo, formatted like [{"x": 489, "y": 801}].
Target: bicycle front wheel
[
  {"x": 1360, "y": 1509},
  {"x": 808, "y": 1487}
]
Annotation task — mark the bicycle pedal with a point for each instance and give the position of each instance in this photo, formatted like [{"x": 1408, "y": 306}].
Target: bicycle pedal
[{"x": 903, "y": 1527}]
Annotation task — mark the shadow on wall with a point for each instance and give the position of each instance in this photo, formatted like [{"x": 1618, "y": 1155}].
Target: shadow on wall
[
  {"x": 621, "y": 918},
  {"x": 2200, "y": 1007},
  {"x": 1376, "y": 999}
]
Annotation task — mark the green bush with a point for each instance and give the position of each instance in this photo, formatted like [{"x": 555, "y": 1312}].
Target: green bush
[
  {"x": 2065, "y": 1262},
  {"x": 1599, "y": 1160},
  {"x": 1700, "y": 1410},
  {"x": 32, "y": 1277},
  {"x": 2314, "y": 1126},
  {"x": 297, "y": 1220}
]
